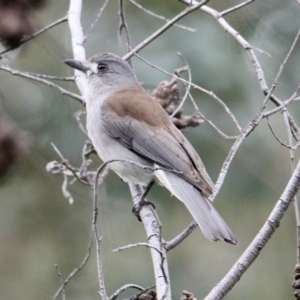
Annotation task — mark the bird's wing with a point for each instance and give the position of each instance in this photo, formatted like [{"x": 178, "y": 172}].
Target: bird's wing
[
  {"x": 155, "y": 137},
  {"x": 165, "y": 146}
]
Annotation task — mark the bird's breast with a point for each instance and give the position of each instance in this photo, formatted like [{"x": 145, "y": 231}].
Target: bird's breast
[{"x": 127, "y": 164}]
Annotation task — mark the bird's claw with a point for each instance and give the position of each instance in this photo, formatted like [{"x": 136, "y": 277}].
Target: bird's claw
[{"x": 137, "y": 207}]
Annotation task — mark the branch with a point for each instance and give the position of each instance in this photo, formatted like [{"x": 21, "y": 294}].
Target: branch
[
  {"x": 60, "y": 277},
  {"x": 232, "y": 9},
  {"x": 41, "y": 80},
  {"x": 180, "y": 237},
  {"x": 98, "y": 239},
  {"x": 261, "y": 239},
  {"x": 159, "y": 16},
  {"x": 123, "y": 26},
  {"x": 28, "y": 38},
  {"x": 74, "y": 15},
  {"x": 138, "y": 245},
  {"x": 292, "y": 158},
  {"x": 280, "y": 141},
  {"x": 124, "y": 288},
  {"x": 163, "y": 29},
  {"x": 210, "y": 93},
  {"x": 248, "y": 48},
  {"x": 95, "y": 21},
  {"x": 75, "y": 271},
  {"x": 152, "y": 227}
]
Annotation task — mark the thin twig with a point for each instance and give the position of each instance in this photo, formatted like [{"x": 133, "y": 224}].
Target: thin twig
[
  {"x": 151, "y": 13},
  {"x": 210, "y": 123},
  {"x": 282, "y": 65},
  {"x": 180, "y": 237},
  {"x": 137, "y": 296},
  {"x": 65, "y": 162},
  {"x": 124, "y": 288},
  {"x": 292, "y": 158},
  {"x": 259, "y": 242},
  {"x": 30, "y": 37},
  {"x": 152, "y": 37},
  {"x": 77, "y": 116},
  {"x": 71, "y": 78},
  {"x": 210, "y": 93},
  {"x": 249, "y": 50},
  {"x": 137, "y": 245},
  {"x": 75, "y": 271},
  {"x": 230, "y": 10},
  {"x": 98, "y": 238},
  {"x": 253, "y": 123},
  {"x": 231, "y": 154},
  {"x": 61, "y": 279},
  {"x": 44, "y": 81},
  {"x": 279, "y": 140},
  {"x": 123, "y": 26},
  {"x": 187, "y": 87},
  {"x": 95, "y": 21},
  {"x": 284, "y": 104}
]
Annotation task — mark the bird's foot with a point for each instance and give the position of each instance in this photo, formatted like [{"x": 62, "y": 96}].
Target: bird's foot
[
  {"x": 137, "y": 207},
  {"x": 142, "y": 201}
]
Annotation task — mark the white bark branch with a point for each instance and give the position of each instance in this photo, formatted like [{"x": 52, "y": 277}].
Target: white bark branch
[{"x": 261, "y": 239}]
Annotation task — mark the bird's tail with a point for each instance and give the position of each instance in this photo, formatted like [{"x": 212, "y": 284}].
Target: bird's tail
[{"x": 211, "y": 223}]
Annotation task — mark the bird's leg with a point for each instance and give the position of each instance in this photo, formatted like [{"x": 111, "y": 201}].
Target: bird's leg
[{"x": 142, "y": 201}]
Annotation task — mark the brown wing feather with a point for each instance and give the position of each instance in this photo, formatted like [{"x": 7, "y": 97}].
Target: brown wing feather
[{"x": 145, "y": 128}]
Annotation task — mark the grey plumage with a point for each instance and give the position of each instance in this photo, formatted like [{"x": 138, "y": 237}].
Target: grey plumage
[{"x": 124, "y": 122}]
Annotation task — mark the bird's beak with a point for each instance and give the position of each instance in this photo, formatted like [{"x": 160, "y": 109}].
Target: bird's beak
[{"x": 76, "y": 64}]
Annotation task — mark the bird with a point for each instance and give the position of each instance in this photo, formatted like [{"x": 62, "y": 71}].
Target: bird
[{"x": 131, "y": 130}]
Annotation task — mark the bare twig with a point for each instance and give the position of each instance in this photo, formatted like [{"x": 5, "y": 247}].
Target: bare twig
[
  {"x": 280, "y": 141},
  {"x": 236, "y": 7},
  {"x": 30, "y": 37},
  {"x": 72, "y": 78},
  {"x": 137, "y": 245},
  {"x": 75, "y": 271},
  {"x": 65, "y": 162},
  {"x": 60, "y": 278},
  {"x": 210, "y": 93},
  {"x": 282, "y": 65},
  {"x": 187, "y": 87},
  {"x": 74, "y": 15},
  {"x": 253, "y": 123},
  {"x": 46, "y": 82},
  {"x": 137, "y": 296},
  {"x": 233, "y": 150},
  {"x": 292, "y": 158},
  {"x": 261, "y": 239},
  {"x": 283, "y": 104},
  {"x": 124, "y": 288},
  {"x": 249, "y": 50},
  {"x": 163, "y": 29},
  {"x": 180, "y": 237},
  {"x": 151, "y": 13},
  {"x": 95, "y": 21},
  {"x": 153, "y": 229},
  {"x": 123, "y": 26},
  {"x": 210, "y": 123},
  {"x": 77, "y": 116},
  {"x": 98, "y": 238}
]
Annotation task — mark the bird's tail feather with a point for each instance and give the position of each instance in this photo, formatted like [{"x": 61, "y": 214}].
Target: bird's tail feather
[{"x": 211, "y": 223}]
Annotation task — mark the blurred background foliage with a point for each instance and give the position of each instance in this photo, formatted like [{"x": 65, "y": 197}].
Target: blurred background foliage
[{"x": 39, "y": 228}]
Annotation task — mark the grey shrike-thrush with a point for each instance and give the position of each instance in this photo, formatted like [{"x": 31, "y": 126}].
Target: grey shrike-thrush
[{"x": 125, "y": 123}]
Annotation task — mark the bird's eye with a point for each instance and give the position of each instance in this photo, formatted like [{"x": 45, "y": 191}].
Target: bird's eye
[{"x": 101, "y": 67}]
